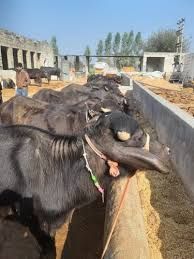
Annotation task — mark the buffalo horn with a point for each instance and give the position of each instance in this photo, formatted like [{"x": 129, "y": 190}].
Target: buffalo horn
[{"x": 123, "y": 135}]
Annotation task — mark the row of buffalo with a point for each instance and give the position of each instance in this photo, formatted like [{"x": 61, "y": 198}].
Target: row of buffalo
[
  {"x": 36, "y": 74},
  {"x": 43, "y": 144}
]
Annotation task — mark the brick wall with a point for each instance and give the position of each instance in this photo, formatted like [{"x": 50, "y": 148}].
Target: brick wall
[{"x": 41, "y": 49}]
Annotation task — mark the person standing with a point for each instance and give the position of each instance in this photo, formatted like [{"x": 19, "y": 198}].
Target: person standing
[{"x": 22, "y": 80}]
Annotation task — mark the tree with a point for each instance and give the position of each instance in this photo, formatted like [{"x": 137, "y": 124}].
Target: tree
[
  {"x": 99, "y": 51},
  {"x": 87, "y": 52},
  {"x": 116, "y": 49},
  {"x": 124, "y": 42},
  {"x": 108, "y": 46},
  {"x": 116, "y": 43},
  {"x": 164, "y": 41},
  {"x": 138, "y": 44},
  {"x": 130, "y": 43},
  {"x": 124, "y": 49},
  {"x": 54, "y": 45}
]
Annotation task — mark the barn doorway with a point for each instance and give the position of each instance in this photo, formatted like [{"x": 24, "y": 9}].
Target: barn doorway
[
  {"x": 24, "y": 53},
  {"x": 4, "y": 57},
  {"x": 155, "y": 64},
  {"x": 77, "y": 64},
  {"x": 56, "y": 62},
  {"x": 32, "y": 59},
  {"x": 15, "y": 57}
]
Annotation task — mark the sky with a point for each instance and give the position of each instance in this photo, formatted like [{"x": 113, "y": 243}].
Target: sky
[{"x": 77, "y": 23}]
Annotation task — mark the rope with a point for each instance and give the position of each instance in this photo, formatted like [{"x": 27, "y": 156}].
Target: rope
[
  {"x": 93, "y": 177},
  {"x": 100, "y": 154},
  {"x": 116, "y": 217}
]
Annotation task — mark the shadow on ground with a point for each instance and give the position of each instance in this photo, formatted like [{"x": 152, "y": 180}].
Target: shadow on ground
[{"x": 85, "y": 236}]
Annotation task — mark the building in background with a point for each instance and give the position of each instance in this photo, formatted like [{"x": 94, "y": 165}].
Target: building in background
[
  {"x": 15, "y": 48},
  {"x": 158, "y": 61}
]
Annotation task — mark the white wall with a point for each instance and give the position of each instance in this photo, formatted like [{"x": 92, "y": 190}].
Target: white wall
[
  {"x": 168, "y": 59},
  {"x": 188, "y": 68}
]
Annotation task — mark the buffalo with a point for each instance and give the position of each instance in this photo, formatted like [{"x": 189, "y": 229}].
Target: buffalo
[
  {"x": 19, "y": 241},
  {"x": 54, "y": 170},
  {"x": 8, "y": 83},
  {"x": 49, "y": 96},
  {"x": 74, "y": 94},
  {"x": 100, "y": 78},
  {"x": 59, "y": 119},
  {"x": 51, "y": 71}
]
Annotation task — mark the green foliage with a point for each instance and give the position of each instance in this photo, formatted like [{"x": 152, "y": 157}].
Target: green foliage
[
  {"x": 54, "y": 45},
  {"x": 99, "y": 51},
  {"x": 165, "y": 41},
  {"x": 138, "y": 44},
  {"x": 127, "y": 48},
  {"x": 108, "y": 44},
  {"x": 162, "y": 41},
  {"x": 87, "y": 52},
  {"x": 116, "y": 44},
  {"x": 124, "y": 42},
  {"x": 130, "y": 43}
]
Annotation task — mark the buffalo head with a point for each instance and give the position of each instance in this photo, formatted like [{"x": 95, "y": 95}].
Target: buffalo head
[{"x": 121, "y": 139}]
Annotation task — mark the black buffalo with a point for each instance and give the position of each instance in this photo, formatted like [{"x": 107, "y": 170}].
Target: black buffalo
[
  {"x": 74, "y": 94},
  {"x": 51, "y": 169},
  {"x": 8, "y": 83},
  {"x": 59, "y": 119},
  {"x": 18, "y": 242},
  {"x": 37, "y": 75},
  {"x": 51, "y": 71}
]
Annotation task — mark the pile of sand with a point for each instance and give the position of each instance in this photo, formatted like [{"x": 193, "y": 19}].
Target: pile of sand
[
  {"x": 174, "y": 93},
  {"x": 156, "y": 83},
  {"x": 184, "y": 99}
]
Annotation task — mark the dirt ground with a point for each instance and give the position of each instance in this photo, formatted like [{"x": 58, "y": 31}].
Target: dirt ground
[
  {"x": 168, "y": 214},
  {"x": 84, "y": 240},
  {"x": 32, "y": 89},
  {"x": 174, "y": 93}
]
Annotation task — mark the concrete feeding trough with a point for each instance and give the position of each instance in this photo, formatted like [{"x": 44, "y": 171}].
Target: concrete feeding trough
[
  {"x": 129, "y": 238},
  {"x": 175, "y": 129}
]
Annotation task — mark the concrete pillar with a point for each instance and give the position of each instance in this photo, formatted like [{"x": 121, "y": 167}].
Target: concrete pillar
[
  {"x": 28, "y": 58},
  {"x": 88, "y": 65},
  {"x": 1, "y": 64},
  {"x": 38, "y": 59},
  {"x": 35, "y": 60},
  {"x": 20, "y": 56},
  {"x": 144, "y": 64},
  {"x": 10, "y": 58}
]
